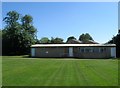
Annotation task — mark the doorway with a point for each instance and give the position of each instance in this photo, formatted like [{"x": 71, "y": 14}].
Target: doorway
[{"x": 70, "y": 51}]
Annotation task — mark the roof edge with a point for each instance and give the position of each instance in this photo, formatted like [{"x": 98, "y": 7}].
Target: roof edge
[{"x": 72, "y": 45}]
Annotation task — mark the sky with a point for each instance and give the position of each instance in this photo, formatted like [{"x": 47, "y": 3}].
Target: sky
[{"x": 65, "y": 19}]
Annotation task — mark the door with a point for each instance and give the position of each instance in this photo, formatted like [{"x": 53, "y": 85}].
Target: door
[
  {"x": 70, "y": 51},
  {"x": 113, "y": 52},
  {"x": 32, "y": 52}
]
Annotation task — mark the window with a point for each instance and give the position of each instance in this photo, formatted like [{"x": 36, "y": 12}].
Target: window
[
  {"x": 96, "y": 50},
  {"x": 92, "y": 49},
  {"x": 101, "y": 50},
  {"x": 82, "y": 50},
  {"x": 86, "y": 49}
]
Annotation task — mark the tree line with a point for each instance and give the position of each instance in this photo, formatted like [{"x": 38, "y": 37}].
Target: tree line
[{"x": 45, "y": 40}]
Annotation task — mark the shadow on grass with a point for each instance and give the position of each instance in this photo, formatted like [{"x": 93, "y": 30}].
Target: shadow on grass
[
  {"x": 68, "y": 58},
  {"x": 28, "y": 56}
]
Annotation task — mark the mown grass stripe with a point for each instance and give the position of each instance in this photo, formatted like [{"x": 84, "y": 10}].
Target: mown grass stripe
[
  {"x": 59, "y": 72},
  {"x": 79, "y": 75},
  {"x": 51, "y": 78}
]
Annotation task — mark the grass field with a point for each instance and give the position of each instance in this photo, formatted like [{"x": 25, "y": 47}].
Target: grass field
[
  {"x": 0, "y": 71},
  {"x": 18, "y": 71}
]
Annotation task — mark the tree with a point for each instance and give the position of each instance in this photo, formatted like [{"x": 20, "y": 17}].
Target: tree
[
  {"x": 28, "y": 32},
  {"x": 85, "y": 38},
  {"x": 37, "y": 41},
  {"x": 0, "y": 36},
  {"x": 11, "y": 32},
  {"x": 17, "y": 37},
  {"x": 44, "y": 40},
  {"x": 70, "y": 38},
  {"x": 116, "y": 40},
  {"x": 0, "y": 32},
  {"x": 0, "y": 42},
  {"x": 12, "y": 18},
  {"x": 56, "y": 40}
]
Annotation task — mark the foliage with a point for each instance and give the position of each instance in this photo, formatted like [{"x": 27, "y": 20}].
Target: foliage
[
  {"x": 44, "y": 40},
  {"x": 85, "y": 37},
  {"x": 18, "y": 34},
  {"x": 0, "y": 43},
  {"x": 0, "y": 33},
  {"x": 56, "y": 40},
  {"x": 116, "y": 40},
  {"x": 70, "y": 38}
]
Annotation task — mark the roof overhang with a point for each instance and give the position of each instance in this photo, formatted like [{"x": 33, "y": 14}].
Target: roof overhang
[{"x": 74, "y": 45}]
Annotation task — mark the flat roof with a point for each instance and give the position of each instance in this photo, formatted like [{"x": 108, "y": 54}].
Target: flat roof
[{"x": 72, "y": 45}]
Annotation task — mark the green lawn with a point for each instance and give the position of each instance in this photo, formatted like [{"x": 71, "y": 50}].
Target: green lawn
[
  {"x": 0, "y": 71},
  {"x": 18, "y": 71}
]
